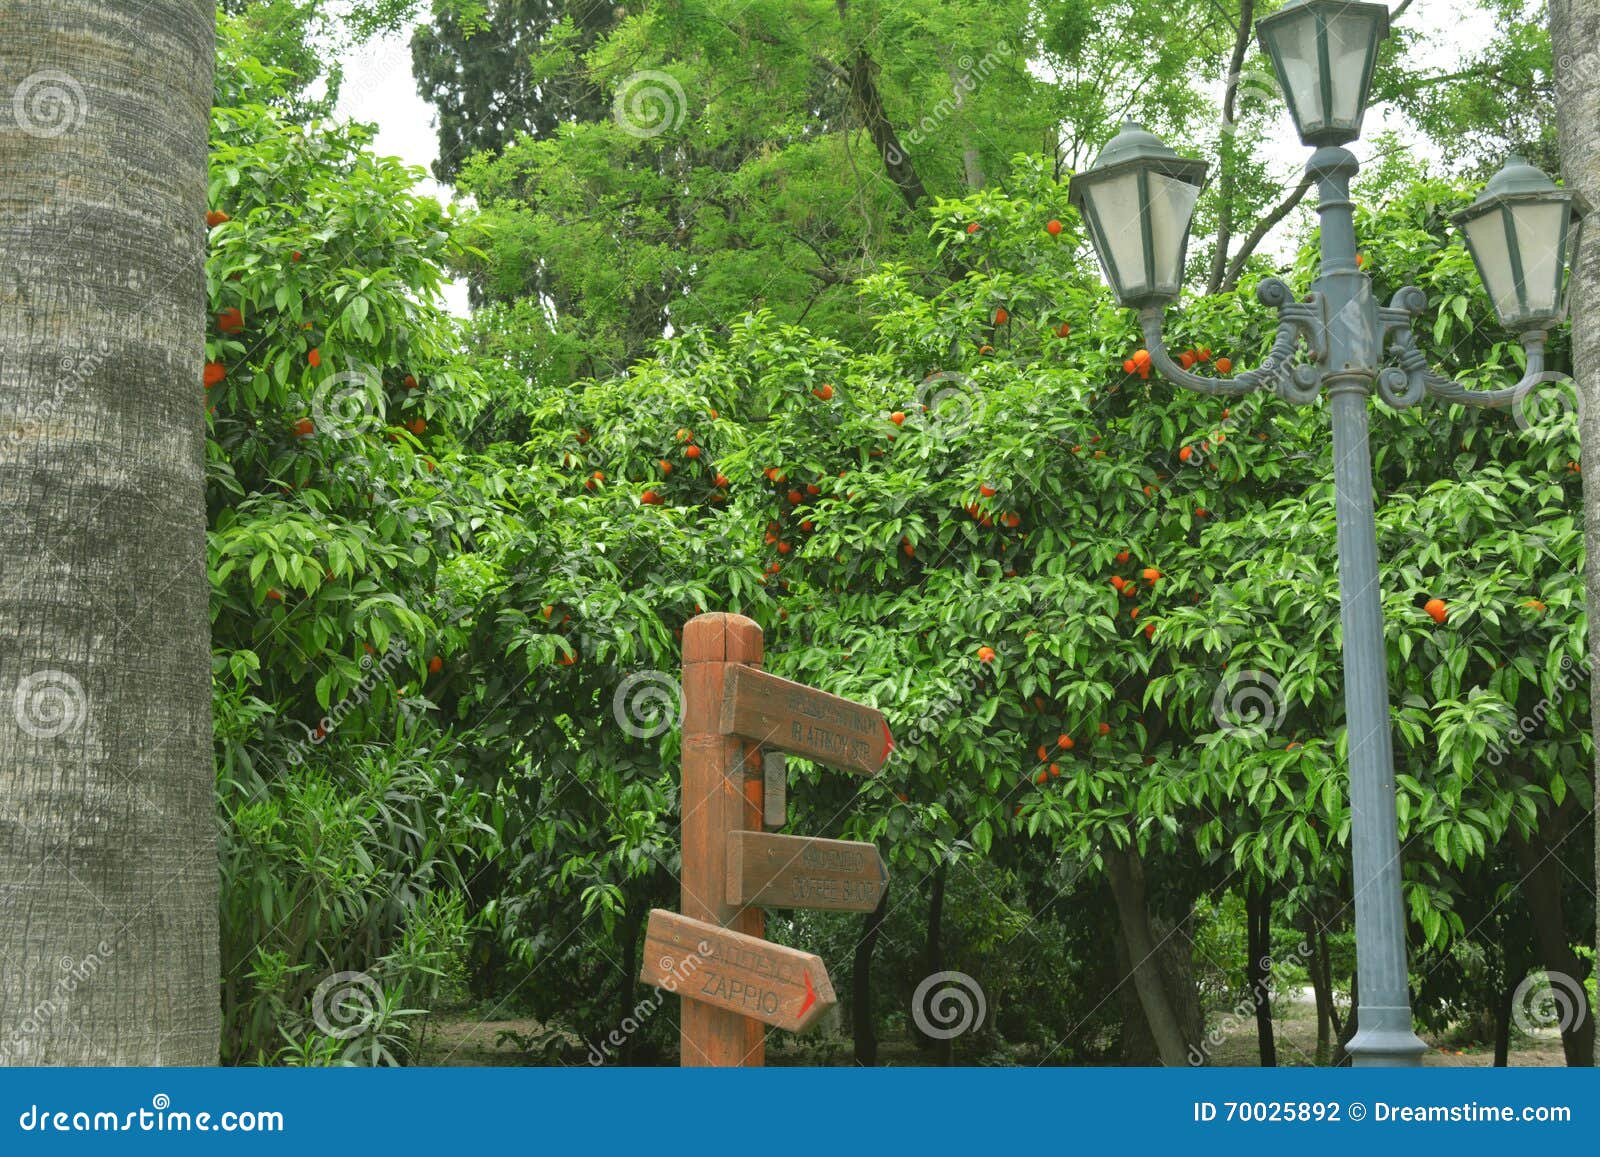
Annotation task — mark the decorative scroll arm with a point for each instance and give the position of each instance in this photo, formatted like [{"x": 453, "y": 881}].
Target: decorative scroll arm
[
  {"x": 1406, "y": 384},
  {"x": 1295, "y": 320}
]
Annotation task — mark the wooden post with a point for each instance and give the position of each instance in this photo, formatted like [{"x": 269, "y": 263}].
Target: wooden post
[{"x": 722, "y": 792}]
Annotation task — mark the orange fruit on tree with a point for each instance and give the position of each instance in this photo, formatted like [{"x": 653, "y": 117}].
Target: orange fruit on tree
[
  {"x": 987, "y": 491},
  {"x": 824, "y": 391},
  {"x": 1063, "y": 330},
  {"x": 784, "y": 548},
  {"x": 435, "y": 665},
  {"x": 1053, "y": 227},
  {"x": 898, "y": 417},
  {"x": 986, "y": 654},
  {"x": 1118, "y": 581},
  {"x": 1151, "y": 574},
  {"x": 1105, "y": 729},
  {"x": 216, "y": 217},
  {"x": 1055, "y": 771},
  {"x": 1141, "y": 358},
  {"x": 796, "y": 498},
  {"x": 314, "y": 357},
  {"x": 1185, "y": 454},
  {"x": 650, "y": 498},
  {"x": 1123, "y": 556},
  {"x": 1149, "y": 630},
  {"x": 1001, "y": 316},
  {"x": 418, "y": 426},
  {"x": 722, "y": 480},
  {"x": 1436, "y": 609},
  {"x": 1204, "y": 353},
  {"x": 972, "y": 228},
  {"x": 230, "y": 320},
  {"x": 1224, "y": 366},
  {"x": 410, "y": 382},
  {"x": 1064, "y": 742},
  {"x": 1042, "y": 777},
  {"x": 1127, "y": 366},
  {"x": 214, "y": 373},
  {"x": 666, "y": 467},
  {"x": 304, "y": 428},
  {"x": 1043, "y": 753}
]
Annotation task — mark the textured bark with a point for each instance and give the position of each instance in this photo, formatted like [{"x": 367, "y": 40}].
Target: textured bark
[
  {"x": 108, "y": 869},
  {"x": 1540, "y": 885},
  {"x": 1575, "y": 41},
  {"x": 1125, "y": 873}
]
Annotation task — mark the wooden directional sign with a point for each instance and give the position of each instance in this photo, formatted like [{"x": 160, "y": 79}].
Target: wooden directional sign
[
  {"x": 780, "y": 986},
  {"x": 801, "y": 872},
  {"x": 775, "y": 790},
  {"x": 799, "y": 719}
]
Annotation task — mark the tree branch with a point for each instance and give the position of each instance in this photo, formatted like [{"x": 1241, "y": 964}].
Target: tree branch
[
  {"x": 1225, "y": 190},
  {"x": 1263, "y": 227}
]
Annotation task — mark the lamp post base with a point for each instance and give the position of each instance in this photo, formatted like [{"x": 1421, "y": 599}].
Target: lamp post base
[{"x": 1385, "y": 1040}]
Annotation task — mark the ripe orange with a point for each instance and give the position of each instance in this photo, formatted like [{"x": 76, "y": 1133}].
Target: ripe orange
[
  {"x": 1063, "y": 330},
  {"x": 898, "y": 417},
  {"x": 1436, "y": 609},
  {"x": 314, "y": 357},
  {"x": 796, "y": 497},
  {"x": 784, "y": 548},
  {"x": 1224, "y": 366},
  {"x": 1141, "y": 358},
  {"x": 1013, "y": 520},
  {"x": 1053, "y": 227},
  {"x": 1149, "y": 630},
  {"x": 910, "y": 551},
  {"x": 1044, "y": 753},
  {"x": 568, "y": 660},
  {"x": 650, "y": 498},
  {"x": 813, "y": 489},
  {"x": 987, "y": 491},
  {"x": 1001, "y": 316},
  {"x": 1185, "y": 454},
  {"x": 1186, "y": 359},
  {"x": 1118, "y": 581},
  {"x": 215, "y": 218},
  {"x": 418, "y": 426},
  {"x": 1204, "y": 353},
  {"x": 304, "y": 428},
  {"x": 824, "y": 391},
  {"x": 1151, "y": 574},
  {"x": 1127, "y": 366},
  {"x": 986, "y": 654},
  {"x": 972, "y": 228},
  {"x": 1200, "y": 512},
  {"x": 1064, "y": 742},
  {"x": 274, "y": 596},
  {"x": 807, "y": 525},
  {"x": 230, "y": 320},
  {"x": 1123, "y": 556},
  {"x": 295, "y": 256},
  {"x": 435, "y": 665},
  {"x": 666, "y": 467},
  {"x": 1105, "y": 729},
  {"x": 214, "y": 373},
  {"x": 1042, "y": 777},
  {"x": 410, "y": 382},
  {"x": 692, "y": 452},
  {"x": 722, "y": 480},
  {"x": 1055, "y": 771}
]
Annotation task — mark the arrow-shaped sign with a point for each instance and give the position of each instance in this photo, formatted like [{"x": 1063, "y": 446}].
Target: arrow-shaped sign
[
  {"x": 783, "y": 987},
  {"x": 775, "y": 871},
  {"x": 792, "y": 717}
]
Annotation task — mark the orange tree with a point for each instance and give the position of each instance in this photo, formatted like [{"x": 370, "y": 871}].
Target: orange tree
[
  {"x": 1064, "y": 582},
  {"x": 332, "y": 395}
]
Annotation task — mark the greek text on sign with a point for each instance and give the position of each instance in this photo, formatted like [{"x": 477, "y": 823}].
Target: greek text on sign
[
  {"x": 783, "y": 987},
  {"x": 775, "y": 871},
  {"x": 792, "y": 717}
]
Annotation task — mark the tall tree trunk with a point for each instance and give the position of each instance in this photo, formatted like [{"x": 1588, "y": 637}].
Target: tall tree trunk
[
  {"x": 632, "y": 923},
  {"x": 1125, "y": 873},
  {"x": 1258, "y": 970},
  {"x": 862, "y": 1025},
  {"x": 1321, "y": 986},
  {"x": 108, "y": 866},
  {"x": 1341, "y": 1055},
  {"x": 1575, "y": 38},
  {"x": 943, "y": 1050},
  {"x": 1502, "y": 1023},
  {"x": 1541, "y": 888}
]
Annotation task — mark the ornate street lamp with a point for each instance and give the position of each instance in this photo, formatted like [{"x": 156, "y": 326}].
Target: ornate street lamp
[{"x": 1138, "y": 198}]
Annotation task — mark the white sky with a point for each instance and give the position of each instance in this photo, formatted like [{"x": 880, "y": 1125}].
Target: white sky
[{"x": 379, "y": 88}]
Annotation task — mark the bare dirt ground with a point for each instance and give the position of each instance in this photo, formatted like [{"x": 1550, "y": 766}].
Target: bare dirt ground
[{"x": 465, "y": 1040}]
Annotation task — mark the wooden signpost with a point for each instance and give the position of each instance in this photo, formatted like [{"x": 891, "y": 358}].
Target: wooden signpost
[{"x": 737, "y": 721}]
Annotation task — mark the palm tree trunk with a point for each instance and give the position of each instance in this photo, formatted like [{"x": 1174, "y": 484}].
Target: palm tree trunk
[
  {"x": 1575, "y": 39},
  {"x": 108, "y": 868}
]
